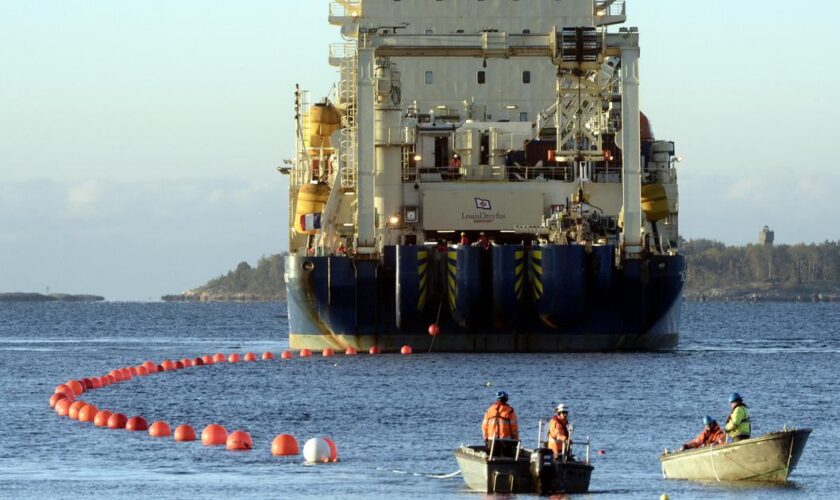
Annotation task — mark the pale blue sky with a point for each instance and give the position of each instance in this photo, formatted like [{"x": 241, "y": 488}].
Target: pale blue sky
[{"x": 138, "y": 140}]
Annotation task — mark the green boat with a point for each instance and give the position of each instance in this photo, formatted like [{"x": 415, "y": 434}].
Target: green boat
[{"x": 770, "y": 458}]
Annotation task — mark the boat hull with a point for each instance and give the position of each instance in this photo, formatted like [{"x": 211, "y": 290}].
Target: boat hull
[
  {"x": 768, "y": 458},
  {"x": 500, "y": 300}
]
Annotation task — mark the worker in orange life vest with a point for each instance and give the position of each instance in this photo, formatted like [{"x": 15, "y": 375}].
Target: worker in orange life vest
[
  {"x": 500, "y": 421},
  {"x": 558, "y": 431},
  {"x": 712, "y": 435}
]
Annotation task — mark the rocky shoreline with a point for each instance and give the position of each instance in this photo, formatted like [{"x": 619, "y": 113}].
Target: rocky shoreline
[
  {"x": 53, "y": 297},
  {"x": 198, "y": 296}
]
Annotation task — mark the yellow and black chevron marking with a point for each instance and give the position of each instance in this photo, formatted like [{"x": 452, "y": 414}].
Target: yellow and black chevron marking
[
  {"x": 536, "y": 273},
  {"x": 422, "y": 273},
  {"x": 451, "y": 268},
  {"x": 519, "y": 273}
]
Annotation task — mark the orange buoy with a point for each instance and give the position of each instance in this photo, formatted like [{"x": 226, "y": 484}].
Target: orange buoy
[
  {"x": 168, "y": 365},
  {"x": 197, "y": 362},
  {"x": 218, "y": 358},
  {"x": 75, "y": 407},
  {"x": 142, "y": 371},
  {"x": 160, "y": 368},
  {"x": 267, "y": 355},
  {"x": 208, "y": 359},
  {"x": 187, "y": 362},
  {"x": 62, "y": 407},
  {"x": 64, "y": 387},
  {"x": 88, "y": 413},
  {"x": 239, "y": 441},
  {"x": 328, "y": 353},
  {"x": 406, "y": 349},
  {"x": 96, "y": 382},
  {"x": 214, "y": 435},
  {"x": 116, "y": 375},
  {"x": 350, "y": 351},
  {"x": 136, "y": 424},
  {"x": 68, "y": 392},
  {"x": 133, "y": 371},
  {"x": 284, "y": 445},
  {"x": 87, "y": 384},
  {"x": 286, "y": 355},
  {"x": 179, "y": 365},
  {"x": 101, "y": 418},
  {"x": 333, "y": 449},
  {"x": 117, "y": 421},
  {"x": 250, "y": 356},
  {"x": 184, "y": 432},
  {"x": 56, "y": 397},
  {"x": 373, "y": 349},
  {"x": 76, "y": 386},
  {"x": 150, "y": 367},
  {"x": 434, "y": 330},
  {"x": 234, "y": 358},
  {"x": 126, "y": 373},
  {"x": 159, "y": 429},
  {"x": 111, "y": 379},
  {"x": 305, "y": 353}
]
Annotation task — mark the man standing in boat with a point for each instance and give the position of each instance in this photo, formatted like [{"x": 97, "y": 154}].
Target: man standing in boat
[
  {"x": 712, "y": 435},
  {"x": 558, "y": 431},
  {"x": 738, "y": 422},
  {"x": 500, "y": 423}
]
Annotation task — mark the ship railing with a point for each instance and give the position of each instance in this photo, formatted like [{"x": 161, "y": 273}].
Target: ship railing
[
  {"x": 341, "y": 52},
  {"x": 344, "y": 11},
  {"x": 485, "y": 173},
  {"x": 610, "y": 12}
]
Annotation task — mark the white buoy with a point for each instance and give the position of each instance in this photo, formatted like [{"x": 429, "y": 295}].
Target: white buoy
[{"x": 316, "y": 450}]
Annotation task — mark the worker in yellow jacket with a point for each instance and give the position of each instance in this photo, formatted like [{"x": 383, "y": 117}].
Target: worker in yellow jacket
[{"x": 738, "y": 422}]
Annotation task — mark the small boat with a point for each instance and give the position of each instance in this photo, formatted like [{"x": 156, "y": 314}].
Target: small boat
[
  {"x": 522, "y": 471},
  {"x": 771, "y": 458}
]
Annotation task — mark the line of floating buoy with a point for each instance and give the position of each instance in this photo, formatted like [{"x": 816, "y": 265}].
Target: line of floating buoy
[{"x": 66, "y": 402}]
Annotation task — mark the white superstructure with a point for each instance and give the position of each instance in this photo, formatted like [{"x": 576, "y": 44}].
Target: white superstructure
[{"x": 517, "y": 118}]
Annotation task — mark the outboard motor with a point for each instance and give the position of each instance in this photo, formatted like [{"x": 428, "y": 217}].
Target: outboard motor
[{"x": 543, "y": 472}]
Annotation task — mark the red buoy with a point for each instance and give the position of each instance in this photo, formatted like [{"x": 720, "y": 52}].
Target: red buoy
[
  {"x": 55, "y": 398},
  {"x": 133, "y": 371},
  {"x": 64, "y": 388},
  {"x": 184, "y": 432},
  {"x": 142, "y": 371},
  {"x": 350, "y": 351},
  {"x": 168, "y": 365},
  {"x": 208, "y": 359},
  {"x": 305, "y": 353},
  {"x": 179, "y": 365},
  {"x": 76, "y": 386},
  {"x": 328, "y": 353},
  {"x": 434, "y": 330},
  {"x": 62, "y": 407},
  {"x": 126, "y": 373},
  {"x": 159, "y": 429},
  {"x": 75, "y": 407},
  {"x": 187, "y": 362},
  {"x": 286, "y": 355},
  {"x": 96, "y": 382},
  {"x": 239, "y": 441},
  {"x": 373, "y": 350},
  {"x": 406, "y": 349},
  {"x": 333, "y": 449},
  {"x": 214, "y": 435},
  {"x": 267, "y": 355},
  {"x": 218, "y": 358},
  {"x": 101, "y": 418},
  {"x": 117, "y": 421},
  {"x": 197, "y": 362},
  {"x": 284, "y": 445},
  {"x": 87, "y": 383},
  {"x": 150, "y": 367},
  {"x": 136, "y": 424},
  {"x": 88, "y": 413},
  {"x": 250, "y": 356},
  {"x": 234, "y": 358}
]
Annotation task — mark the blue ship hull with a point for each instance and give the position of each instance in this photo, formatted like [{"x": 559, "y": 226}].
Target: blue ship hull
[{"x": 551, "y": 298}]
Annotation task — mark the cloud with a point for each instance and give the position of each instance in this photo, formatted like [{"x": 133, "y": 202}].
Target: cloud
[
  {"x": 83, "y": 198},
  {"x": 744, "y": 189}
]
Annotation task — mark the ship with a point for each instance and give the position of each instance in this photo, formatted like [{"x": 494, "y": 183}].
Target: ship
[{"x": 481, "y": 178}]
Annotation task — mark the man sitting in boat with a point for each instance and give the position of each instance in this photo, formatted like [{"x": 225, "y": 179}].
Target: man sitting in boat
[
  {"x": 500, "y": 425},
  {"x": 712, "y": 435},
  {"x": 738, "y": 422},
  {"x": 558, "y": 432}
]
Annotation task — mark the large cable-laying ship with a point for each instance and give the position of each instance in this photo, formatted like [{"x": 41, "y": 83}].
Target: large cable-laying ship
[{"x": 481, "y": 179}]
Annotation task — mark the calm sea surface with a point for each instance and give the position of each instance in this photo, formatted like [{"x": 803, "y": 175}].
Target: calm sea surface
[{"x": 395, "y": 419}]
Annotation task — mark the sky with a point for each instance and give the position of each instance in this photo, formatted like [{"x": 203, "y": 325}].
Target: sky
[{"x": 139, "y": 140}]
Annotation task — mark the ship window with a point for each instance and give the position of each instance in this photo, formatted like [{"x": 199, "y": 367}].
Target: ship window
[
  {"x": 481, "y": 77},
  {"x": 523, "y": 116},
  {"x": 430, "y": 78},
  {"x": 526, "y": 77},
  {"x": 459, "y": 31},
  {"x": 526, "y": 32},
  {"x": 428, "y": 32}
]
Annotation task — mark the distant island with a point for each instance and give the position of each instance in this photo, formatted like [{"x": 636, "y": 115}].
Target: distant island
[
  {"x": 716, "y": 272},
  {"x": 52, "y": 297}
]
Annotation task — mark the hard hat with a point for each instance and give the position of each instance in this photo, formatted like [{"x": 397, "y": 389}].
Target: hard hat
[
  {"x": 501, "y": 396},
  {"x": 456, "y": 155},
  {"x": 708, "y": 420},
  {"x": 561, "y": 408},
  {"x": 734, "y": 397}
]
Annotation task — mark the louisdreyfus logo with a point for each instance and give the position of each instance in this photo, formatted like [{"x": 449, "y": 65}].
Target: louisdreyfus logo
[
  {"x": 484, "y": 214},
  {"x": 483, "y": 204}
]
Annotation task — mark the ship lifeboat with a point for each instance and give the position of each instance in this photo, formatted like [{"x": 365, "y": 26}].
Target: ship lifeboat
[
  {"x": 324, "y": 119},
  {"x": 311, "y": 199}
]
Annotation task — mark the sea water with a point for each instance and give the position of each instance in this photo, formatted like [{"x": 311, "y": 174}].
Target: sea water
[{"x": 396, "y": 419}]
